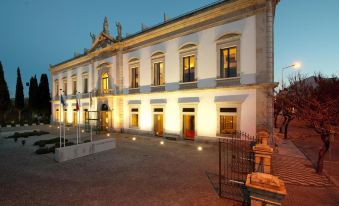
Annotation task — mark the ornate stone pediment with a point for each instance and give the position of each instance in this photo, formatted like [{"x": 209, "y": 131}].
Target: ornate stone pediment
[{"x": 103, "y": 40}]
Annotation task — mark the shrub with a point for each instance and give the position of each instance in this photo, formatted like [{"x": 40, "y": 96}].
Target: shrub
[
  {"x": 27, "y": 134},
  {"x": 42, "y": 143},
  {"x": 42, "y": 150},
  {"x": 87, "y": 140}
]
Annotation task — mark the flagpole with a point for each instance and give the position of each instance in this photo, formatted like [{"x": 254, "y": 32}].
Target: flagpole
[
  {"x": 65, "y": 125},
  {"x": 60, "y": 117},
  {"x": 76, "y": 108},
  {"x": 79, "y": 117},
  {"x": 90, "y": 106}
]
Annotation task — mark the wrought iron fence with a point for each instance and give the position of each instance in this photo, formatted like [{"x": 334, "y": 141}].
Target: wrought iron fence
[{"x": 236, "y": 160}]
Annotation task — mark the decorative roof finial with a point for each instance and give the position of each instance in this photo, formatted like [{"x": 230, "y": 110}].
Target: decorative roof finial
[{"x": 105, "y": 26}]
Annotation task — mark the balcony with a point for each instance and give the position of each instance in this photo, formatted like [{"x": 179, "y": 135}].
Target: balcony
[{"x": 105, "y": 92}]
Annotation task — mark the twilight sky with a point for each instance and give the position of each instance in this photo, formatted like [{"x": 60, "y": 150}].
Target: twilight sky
[{"x": 36, "y": 33}]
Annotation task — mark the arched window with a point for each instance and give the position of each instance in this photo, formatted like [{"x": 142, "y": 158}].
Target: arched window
[{"x": 104, "y": 82}]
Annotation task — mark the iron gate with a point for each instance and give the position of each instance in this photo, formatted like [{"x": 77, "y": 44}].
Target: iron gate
[{"x": 236, "y": 160}]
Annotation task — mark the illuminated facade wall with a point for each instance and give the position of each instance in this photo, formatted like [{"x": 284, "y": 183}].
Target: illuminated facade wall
[{"x": 243, "y": 92}]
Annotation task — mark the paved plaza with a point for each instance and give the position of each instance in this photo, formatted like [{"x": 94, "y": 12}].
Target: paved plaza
[{"x": 141, "y": 172}]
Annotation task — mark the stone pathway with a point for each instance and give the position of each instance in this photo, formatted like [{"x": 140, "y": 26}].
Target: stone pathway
[
  {"x": 297, "y": 171},
  {"x": 304, "y": 186}
]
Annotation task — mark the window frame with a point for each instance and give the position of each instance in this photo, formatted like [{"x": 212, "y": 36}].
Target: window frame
[
  {"x": 131, "y": 107},
  {"x": 64, "y": 89},
  {"x": 74, "y": 87},
  {"x": 189, "y": 49},
  {"x": 84, "y": 88},
  {"x": 104, "y": 80},
  {"x": 237, "y": 113},
  {"x": 56, "y": 83},
  {"x": 157, "y": 58},
  {"x": 231, "y": 40},
  {"x": 134, "y": 64}
]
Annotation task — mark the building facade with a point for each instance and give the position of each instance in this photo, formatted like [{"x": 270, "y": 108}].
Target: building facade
[{"x": 201, "y": 75}]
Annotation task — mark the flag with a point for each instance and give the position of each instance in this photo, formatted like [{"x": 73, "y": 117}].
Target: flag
[
  {"x": 62, "y": 101},
  {"x": 77, "y": 105}
]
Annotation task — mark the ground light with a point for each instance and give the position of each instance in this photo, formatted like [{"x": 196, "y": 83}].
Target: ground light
[
  {"x": 108, "y": 134},
  {"x": 134, "y": 138},
  {"x": 199, "y": 148},
  {"x": 58, "y": 127},
  {"x": 50, "y": 126},
  {"x": 162, "y": 142},
  {"x": 82, "y": 131}
]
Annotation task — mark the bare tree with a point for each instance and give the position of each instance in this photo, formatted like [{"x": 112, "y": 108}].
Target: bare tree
[{"x": 316, "y": 100}]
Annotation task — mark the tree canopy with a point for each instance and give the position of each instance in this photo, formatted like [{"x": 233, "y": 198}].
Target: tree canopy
[
  {"x": 19, "y": 92},
  {"x": 44, "y": 96},
  {"x": 5, "y": 100}
]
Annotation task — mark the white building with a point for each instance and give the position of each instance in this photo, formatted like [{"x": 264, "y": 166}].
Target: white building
[{"x": 201, "y": 75}]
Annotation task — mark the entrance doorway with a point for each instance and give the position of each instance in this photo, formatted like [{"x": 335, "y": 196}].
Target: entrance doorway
[
  {"x": 75, "y": 118},
  {"x": 104, "y": 121},
  {"x": 159, "y": 125},
  {"x": 189, "y": 126}
]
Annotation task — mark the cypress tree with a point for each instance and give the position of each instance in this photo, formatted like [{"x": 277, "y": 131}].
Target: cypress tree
[
  {"x": 19, "y": 94},
  {"x": 44, "y": 96},
  {"x": 33, "y": 99},
  {"x": 5, "y": 100}
]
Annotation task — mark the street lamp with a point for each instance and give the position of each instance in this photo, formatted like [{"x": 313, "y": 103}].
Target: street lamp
[{"x": 296, "y": 65}]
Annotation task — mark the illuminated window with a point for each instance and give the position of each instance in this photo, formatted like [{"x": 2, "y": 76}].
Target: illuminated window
[
  {"x": 134, "y": 117},
  {"x": 228, "y": 120},
  {"x": 74, "y": 85},
  {"x": 134, "y": 77},
  {"x": 65, "y": 116},
  {"x": 158, "y": 73},
  {"x": 57, "y": 115},
  {"x": 86, "y": 116},
  {"x": 104, "y": 82},
  {"x": 228, "y": 62},
  {"x": 188, "y": 68}
]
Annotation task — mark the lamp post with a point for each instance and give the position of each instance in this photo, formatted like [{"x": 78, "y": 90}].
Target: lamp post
[{"x": 296, "y": 65}]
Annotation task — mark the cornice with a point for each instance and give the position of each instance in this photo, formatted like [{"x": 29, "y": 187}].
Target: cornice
[{"x": 228, "y": 11}]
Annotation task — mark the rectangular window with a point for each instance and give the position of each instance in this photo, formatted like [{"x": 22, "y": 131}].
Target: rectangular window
[
  {"x": 188, "y": 110},
  {"x": 228, "y": 62},
  {"x": 158, "y": 110},
  {"x": 188, "y": 68},
  {"x": 135, "y": 77},
  {"x": 134, "y": 121},
  {"x": 65, "y": 87},
  {"x": 86, "y": 116},
  {"x": 228, "y": 120},
  {"x": 56, "y": 88},
  {"x": 85, "y": 85},
  {"x": 158, "y": 73},
  {"x": 74, "y": 92},
  {"x": 57, "y": 115}
]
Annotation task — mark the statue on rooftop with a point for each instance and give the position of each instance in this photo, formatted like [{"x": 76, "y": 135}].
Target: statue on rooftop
[
  {"x": 92, "y": 36},
  {"x": 118, "y": 25}
]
